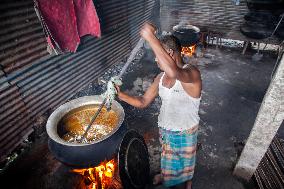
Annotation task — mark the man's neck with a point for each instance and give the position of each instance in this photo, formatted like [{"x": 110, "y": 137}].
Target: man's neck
[{"x": 179, "y": 61}]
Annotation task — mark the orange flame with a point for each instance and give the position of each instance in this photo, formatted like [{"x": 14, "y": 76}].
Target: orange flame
[
  {"x": 100, "y": 176},
  {"x": 188, "y": 51}
]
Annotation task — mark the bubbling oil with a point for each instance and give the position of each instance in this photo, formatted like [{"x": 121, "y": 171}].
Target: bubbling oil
[{"x": 76, "y": 122}]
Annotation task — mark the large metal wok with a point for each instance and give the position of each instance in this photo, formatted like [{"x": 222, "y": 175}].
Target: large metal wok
[{"x": 78, "y": 154}]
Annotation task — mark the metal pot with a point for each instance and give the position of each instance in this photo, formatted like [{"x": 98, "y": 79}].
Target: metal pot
[
  {"x": 188, "y": 35},
  {"x": 266, "y": 5},
  {"x": 84, "y": 155}
]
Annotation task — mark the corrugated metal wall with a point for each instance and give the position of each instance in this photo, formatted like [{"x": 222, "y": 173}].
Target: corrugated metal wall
[
  {"x": 216, "y": 15},
  {"x": 270, "y": 171},
  {"x": 33, "y": 82}
]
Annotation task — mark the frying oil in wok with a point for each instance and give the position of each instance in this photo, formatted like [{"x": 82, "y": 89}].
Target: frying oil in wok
[{"x": 76, "y": 122}]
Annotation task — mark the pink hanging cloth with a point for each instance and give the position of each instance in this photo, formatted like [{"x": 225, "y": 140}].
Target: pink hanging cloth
[
  {"x": 65, "y": 21},
  {"x": 87, "y": 18}
]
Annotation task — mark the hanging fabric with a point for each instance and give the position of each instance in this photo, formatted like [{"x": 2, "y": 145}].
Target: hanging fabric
[{"x": 65, "y": 21}]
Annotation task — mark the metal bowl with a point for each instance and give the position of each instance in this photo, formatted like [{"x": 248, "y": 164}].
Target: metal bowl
[
  {"x": 82, "y": 154},
  {"x": 181, "y": 28}
]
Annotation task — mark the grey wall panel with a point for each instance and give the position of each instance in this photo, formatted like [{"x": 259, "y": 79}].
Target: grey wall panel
[{"x": 216, "y": 15}]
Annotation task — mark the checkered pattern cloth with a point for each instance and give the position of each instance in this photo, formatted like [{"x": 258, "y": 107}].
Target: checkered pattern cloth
[{"x": 178, "y": 155}]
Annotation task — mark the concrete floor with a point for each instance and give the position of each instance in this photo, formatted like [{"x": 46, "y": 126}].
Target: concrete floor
[{"x": 233, "y": 88}]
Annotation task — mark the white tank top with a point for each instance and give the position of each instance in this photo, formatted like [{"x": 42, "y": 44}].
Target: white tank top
[{"x": 179, "y": 111}]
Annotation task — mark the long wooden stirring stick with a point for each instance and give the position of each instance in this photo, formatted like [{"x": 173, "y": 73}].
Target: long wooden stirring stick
[
  {"x": 93, "y": 120},
  {"x": 124, "y": 68}
]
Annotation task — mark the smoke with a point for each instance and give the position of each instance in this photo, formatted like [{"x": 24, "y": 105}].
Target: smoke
[{"x": 184, "y": 22}]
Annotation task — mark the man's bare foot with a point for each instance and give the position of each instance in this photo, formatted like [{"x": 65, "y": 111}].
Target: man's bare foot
[
  {"x": 188, "y": 184},
  {"x": 158, "y": 179}
]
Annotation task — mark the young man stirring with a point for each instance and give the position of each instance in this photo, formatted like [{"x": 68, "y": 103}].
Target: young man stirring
[{"x": 179, "y": 87}]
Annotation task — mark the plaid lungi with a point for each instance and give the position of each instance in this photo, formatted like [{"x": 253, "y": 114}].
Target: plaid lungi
[{"x": 178, "y": 155}]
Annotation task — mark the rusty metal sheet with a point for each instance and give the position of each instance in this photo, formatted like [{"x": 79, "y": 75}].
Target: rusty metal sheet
[
  {"x": 11, "y": 131},
  {"x": 7, "y": 94},
  {"x": 20, "y": 32},
  {"x": 8, "y": 5},
  {"x": 26, "y": 60},
  {"x": 65, "y": 88},
  {"x": 11, "y": 107},
  {"x": 3, "y": 81},
  {"x": 64, "y": 94},
  {"x": 42, "y": 82},
  {"x": 36, "y": 74},
  {"x": 13, "y": 142},
  {"x": 14, "y": 119}
]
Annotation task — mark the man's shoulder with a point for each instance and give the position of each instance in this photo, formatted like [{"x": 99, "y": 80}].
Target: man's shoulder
[
  {"x": 193, "y": 72},
  {"x": 159, "y": 75}
]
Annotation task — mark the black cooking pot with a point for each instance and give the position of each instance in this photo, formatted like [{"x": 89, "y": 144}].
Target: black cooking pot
[
  {"x": 88, "y": 155},
  {"x": 84, "y": 155},
  {"x": 272, "y": 5},
  {"x": 188, "y": 35}
]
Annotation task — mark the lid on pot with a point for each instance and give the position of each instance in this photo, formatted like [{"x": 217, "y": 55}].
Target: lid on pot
[{"x": 133, "y": 161}]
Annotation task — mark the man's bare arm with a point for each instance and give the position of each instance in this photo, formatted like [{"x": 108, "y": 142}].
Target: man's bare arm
[
  {"x": 142, "y": 101},
  {"x": 166, "y": 62}
]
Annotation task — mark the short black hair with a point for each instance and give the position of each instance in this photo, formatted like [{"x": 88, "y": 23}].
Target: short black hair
[{"x": 169, "y": 41}]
